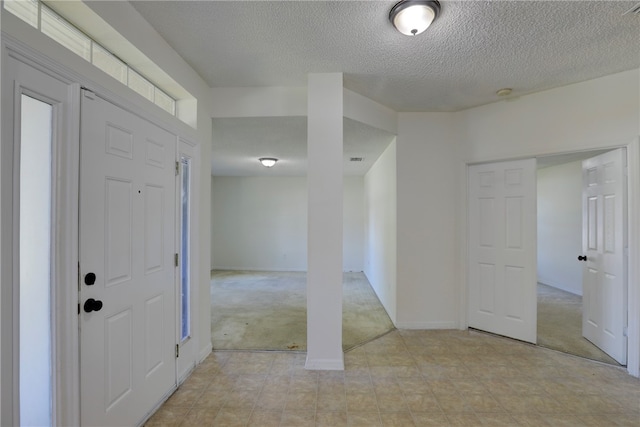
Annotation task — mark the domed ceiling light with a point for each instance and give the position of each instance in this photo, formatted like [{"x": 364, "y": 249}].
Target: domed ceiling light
[
  {"x": 412, "y": 17},
  {"x": 506, "y": 91},
  {"x": 268, "y": 161}
]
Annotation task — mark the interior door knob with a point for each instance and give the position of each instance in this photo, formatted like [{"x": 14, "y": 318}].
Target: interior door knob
[
  {"x": 92, "y": 305},
  {"x": 582, "y": 257}
]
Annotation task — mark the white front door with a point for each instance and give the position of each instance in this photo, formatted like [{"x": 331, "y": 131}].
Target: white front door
[
  {"x": 502, "y": 248},
  {"x": 127, "y": 245},
  {"x": 604, "y": 314}
]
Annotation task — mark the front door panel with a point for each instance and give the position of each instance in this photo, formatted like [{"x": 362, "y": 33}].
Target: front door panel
[{"x": 127, "y": 212}]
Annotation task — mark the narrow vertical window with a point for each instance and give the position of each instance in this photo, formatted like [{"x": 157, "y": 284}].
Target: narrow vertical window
[
  {"x": 185, "y": 228},
  {"x": 35, "y": 263}
]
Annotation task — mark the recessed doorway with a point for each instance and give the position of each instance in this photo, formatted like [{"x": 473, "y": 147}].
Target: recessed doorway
[{"x": 560, "y": 273}]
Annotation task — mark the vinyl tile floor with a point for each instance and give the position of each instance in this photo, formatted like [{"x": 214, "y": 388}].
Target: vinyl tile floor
[{"x": 407, "y": 378}]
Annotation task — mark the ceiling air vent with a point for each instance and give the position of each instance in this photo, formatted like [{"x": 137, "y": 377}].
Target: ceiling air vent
[
  {"x": 355, "y": 159},
  {"x": 634, "y": 10}
]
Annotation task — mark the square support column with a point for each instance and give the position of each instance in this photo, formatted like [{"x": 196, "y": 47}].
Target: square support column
[{"x": 324, "y": 239}]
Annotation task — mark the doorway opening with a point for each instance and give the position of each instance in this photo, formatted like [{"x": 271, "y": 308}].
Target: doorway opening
[
  {"x": 259, "y": 234},
  {"x": 502, "y": 224},
  {"x": 559, "y": 272}
]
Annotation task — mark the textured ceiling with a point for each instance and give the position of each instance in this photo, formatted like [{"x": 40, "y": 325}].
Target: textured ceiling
[{"x": 472, "y": 49}]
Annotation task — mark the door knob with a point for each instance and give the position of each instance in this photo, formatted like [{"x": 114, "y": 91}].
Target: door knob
[
  {"x": 92, "y": 305},
  {"x": 90, "y": 279},
  {"x": 582, "y": 257}
]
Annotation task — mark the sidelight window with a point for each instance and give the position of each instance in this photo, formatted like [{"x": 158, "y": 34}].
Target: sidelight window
[
  {"x": 185, "y": 230},
  {"x": 36, "y": 375}
]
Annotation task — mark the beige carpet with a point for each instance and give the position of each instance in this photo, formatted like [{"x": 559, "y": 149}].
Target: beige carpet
[
  {"x": 253, "y": 310},
  {"x": 560, "y": 324}
]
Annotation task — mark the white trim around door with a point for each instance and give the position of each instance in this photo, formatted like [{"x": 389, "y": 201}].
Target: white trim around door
[{"x": 66, "y": 337}]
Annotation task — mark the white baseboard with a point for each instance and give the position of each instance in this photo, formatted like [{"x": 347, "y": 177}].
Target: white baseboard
[
  {"x": 325, "y": 364},
  {"x": 427, "y": 325},
  {"x": 206, "y": 351},
  {"x": 183, "y": 377}
]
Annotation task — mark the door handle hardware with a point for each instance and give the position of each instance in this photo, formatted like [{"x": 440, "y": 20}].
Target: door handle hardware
[
  {"x": 90, "y": 279},
  {"x": 582, "y": 257},
  {"x": 92, "y": 305}
]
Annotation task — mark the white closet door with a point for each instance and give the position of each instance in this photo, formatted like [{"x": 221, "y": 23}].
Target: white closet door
[
  {"x": 604, "y": 314},
  {"x": 502, "y": 248}
]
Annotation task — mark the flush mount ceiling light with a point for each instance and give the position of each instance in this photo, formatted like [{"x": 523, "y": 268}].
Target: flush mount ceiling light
[
  {"x": 412, "y": 17},
  {"x": 268, "y": 161}
]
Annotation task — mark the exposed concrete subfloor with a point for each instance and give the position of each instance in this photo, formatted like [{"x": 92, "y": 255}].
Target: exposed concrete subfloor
[{"x": 255, "y": 310}]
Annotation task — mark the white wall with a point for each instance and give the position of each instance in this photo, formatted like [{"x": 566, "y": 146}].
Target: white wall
[
  {"x": 427, "y": 188},
  {"x": 560, "y": 226},
  {"x": 597, "y": 113},
  {"x": 353, "y": 225},
  {"x": 380, "y": 229},
  {"x": 260, "y": 223},
  {"x": 292, "y": 101}
]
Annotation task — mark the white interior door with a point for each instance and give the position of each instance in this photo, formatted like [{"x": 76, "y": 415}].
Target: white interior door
[
  {"x": 604, "y": 314},
  {"x": 502, "y": 248},
  {"x": 127, "y": 294}
]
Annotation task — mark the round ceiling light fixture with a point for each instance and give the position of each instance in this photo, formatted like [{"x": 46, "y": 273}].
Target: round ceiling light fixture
[
  {"x": 504, "y": 91},
  {"x": 412, "y": 17},
  {"x": 268, "y": 161}
]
